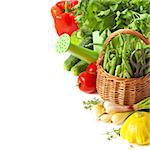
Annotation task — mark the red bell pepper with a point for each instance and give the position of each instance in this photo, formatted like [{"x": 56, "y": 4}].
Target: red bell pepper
[{"x": 64, "y": 18}]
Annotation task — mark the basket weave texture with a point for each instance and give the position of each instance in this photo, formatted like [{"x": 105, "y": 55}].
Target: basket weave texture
[{"x": 120, "y": 90}]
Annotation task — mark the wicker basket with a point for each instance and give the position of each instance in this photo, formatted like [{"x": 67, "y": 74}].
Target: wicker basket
[{"x": 120, "y": 90}]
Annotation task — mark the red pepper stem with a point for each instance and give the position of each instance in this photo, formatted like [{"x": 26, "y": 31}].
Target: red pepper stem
[{"x": 66, "y": 6}]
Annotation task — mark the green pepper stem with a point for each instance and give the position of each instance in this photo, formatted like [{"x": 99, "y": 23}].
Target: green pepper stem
[
  {"x": 83, "y": 53},
  {"x": 66, "y": 6}
]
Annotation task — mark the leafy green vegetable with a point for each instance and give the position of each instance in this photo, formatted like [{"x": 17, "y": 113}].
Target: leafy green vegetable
[
  {"x": 99, "y": 38},
  {"x": 114, "y": 14}
]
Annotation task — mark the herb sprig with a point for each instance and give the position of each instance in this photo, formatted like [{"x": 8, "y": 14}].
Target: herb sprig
[
  {"x": 90, "y": 103},
  {"x": 112, "y": 134}
]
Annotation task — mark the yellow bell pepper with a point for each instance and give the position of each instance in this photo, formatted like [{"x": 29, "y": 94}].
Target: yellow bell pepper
[{"x": 136, "y": 128}]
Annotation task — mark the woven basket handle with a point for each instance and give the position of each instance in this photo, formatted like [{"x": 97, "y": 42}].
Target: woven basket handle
[
  {"x": 126, "y": 31},
  {"x": 118, "y": 32}
]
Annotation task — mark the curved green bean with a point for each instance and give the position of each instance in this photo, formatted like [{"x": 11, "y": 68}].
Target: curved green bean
[
  {"x": 106, "y": 57},
  {"x": 118, "y": 70},
  {"x": 125, "y": 60},
  {"x": 113, "y": 66}
]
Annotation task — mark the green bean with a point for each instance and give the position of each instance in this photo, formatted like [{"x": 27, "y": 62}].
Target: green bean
[
  {"x": 121, "y": 75},
  {"x": 125, "y": 60},
  {"x": 147, "y": 70},
  {"x": 139, "y": 45},
  {"x": 111, "y": 45},
  {"x": 118, "y": 70},
  {"x": 106, "y": 57},
  {"x": 108, "y": 32},
  {"x": 127, "y": 66},
  {"x": 107, "y": 67},
  {"x": 119, "y": 60},
  {"x": 121, "y": 42},
  {"x": 113, "y": 66},
  {"x": 124, "y": 51},
  {"x": 148, "y": 56},
  {"x": 116, "y": 42},
  {"x": 111, "y": 56},
  {"x": 138, "y": 54},
  {"x": 103, "y": 37},
  {"x": 122, "y": 70},
  {"x": 126, "y": 74},
  {"x": 133, "y": 43}
]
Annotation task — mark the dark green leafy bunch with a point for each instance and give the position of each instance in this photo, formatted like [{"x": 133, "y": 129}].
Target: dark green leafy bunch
[{"x": 114, "y": 14}]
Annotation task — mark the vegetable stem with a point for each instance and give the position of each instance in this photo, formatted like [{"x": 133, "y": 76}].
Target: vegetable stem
[{"x": 83, "y": 53}]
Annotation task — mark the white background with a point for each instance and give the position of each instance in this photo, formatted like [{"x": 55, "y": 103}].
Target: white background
[{"x": 40, "y": 106}]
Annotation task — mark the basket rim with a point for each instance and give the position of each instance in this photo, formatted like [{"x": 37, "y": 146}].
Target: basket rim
[
  {"x": 106, "y": 42},
  {"x": 118, "y": 78},
  {"x": 116, "y": 33}
]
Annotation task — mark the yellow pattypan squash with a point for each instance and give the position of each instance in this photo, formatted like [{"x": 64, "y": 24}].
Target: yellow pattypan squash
[{"x": 136, "y": 128}]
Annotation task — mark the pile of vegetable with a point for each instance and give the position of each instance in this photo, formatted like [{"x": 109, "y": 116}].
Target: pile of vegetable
[
  {"x": 135, "y": 120},
  {"x": 127, "y": 57},
  {"x": 83, "y": 26}
]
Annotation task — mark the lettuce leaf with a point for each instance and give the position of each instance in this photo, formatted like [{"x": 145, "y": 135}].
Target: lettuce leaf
[{"x": 114, "y": 14}]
